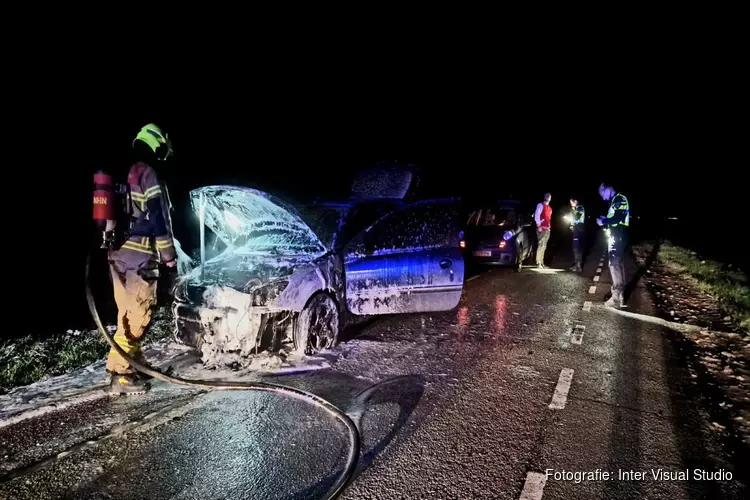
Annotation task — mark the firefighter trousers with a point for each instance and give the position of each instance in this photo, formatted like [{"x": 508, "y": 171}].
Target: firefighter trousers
[{"x": 134, "y": 279}]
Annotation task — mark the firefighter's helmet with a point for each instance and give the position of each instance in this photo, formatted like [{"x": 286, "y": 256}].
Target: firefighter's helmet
[{"x": 156, "y": 140}]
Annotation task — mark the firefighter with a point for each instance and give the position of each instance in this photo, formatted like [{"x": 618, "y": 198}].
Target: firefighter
[
  {"x": 577, "y": 227},
  {"x": 134, "y": 264},
  {"x": 616, "y": 223},
  {"x": 543, "y": 219}
]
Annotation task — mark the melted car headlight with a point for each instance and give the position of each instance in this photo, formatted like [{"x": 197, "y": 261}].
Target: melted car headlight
[{"x": 268, "y": 293}]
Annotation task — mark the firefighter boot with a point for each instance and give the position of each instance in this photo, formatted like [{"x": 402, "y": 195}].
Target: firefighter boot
[
  {"x": 577, "y": 268},
  {"x": 128, "y": 385}
]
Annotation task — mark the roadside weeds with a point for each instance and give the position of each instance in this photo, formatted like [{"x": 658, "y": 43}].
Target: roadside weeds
[
  {"x": 26, "y": 360},
  {"x": 728, "y": 286},
  {"x": 715, "y": 298}
]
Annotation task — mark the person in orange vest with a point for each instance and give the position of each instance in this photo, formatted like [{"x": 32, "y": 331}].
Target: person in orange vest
[
  {"x": 134, "y": 262},
  {"x": 543, "y": 219}
]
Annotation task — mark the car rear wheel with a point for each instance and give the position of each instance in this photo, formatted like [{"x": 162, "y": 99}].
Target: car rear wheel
[{"x": 317, "y": 326}]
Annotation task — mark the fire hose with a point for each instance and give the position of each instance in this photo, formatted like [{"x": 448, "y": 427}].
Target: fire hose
[{"x": 354, "y": 441}]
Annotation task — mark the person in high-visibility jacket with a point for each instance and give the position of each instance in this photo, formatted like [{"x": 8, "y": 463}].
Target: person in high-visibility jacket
[
  {"x": 577, "y": 226},
  {"x": 135, "y": 264},
  {"x": 616, "y": 223}
]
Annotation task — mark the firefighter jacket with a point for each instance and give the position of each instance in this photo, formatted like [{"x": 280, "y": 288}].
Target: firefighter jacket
[
  {"x": 150, "y": 227},
  {"x": 618, "y": 215},
  {"x": 578, "y": 216}
]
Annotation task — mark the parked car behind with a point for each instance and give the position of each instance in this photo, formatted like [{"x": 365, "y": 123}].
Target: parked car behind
[
  {"x": 297, "y": 275},
  {"x": 499, "y": 234}
]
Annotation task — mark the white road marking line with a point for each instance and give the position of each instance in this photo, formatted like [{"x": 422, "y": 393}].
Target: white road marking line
[
  {"x": 596, "y": 278},
  {"x": 592, "y": 289},
  {"x": 587, "y": 306},
  {"x": 533, "y": 487},
  {"x": 472, "y": 278},
  {"x": 560, "y": 397},
  {"x": 576, "y": 336},
  {"x": 598, "y": 270}
]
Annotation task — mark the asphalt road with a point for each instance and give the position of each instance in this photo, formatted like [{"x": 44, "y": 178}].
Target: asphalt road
[{"x": 529, "y": 374}]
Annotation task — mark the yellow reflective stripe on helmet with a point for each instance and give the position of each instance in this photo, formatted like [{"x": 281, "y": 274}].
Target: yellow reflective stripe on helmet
[{"x": 151, "y": 135}]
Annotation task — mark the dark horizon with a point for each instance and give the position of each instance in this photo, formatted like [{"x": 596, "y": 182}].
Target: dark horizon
[{"x": 682, "y": 170}]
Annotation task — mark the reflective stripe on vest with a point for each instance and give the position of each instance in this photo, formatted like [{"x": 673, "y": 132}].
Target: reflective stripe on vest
[{"x": 611, "y": 211}]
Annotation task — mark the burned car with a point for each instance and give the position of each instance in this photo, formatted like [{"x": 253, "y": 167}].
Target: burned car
[{"x": 288, "y": 275}]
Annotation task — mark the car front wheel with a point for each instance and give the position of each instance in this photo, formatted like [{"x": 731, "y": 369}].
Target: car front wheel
[{"x": 317, "y": 326}]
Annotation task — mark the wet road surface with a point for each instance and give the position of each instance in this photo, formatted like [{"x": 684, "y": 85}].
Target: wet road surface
[{"x": 529, "y": 374}]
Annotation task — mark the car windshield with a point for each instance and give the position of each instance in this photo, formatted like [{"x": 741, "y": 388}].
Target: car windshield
[
  {"x": 495, "y": 217},
  {"x": 324, "y": 221}
]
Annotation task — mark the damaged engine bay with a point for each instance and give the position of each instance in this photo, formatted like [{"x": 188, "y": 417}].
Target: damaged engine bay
[
  {"x": 249, "y": 297},
  {"x": 283, "y": 280}
]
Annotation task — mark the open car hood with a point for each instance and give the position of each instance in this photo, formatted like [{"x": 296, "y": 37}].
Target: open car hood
[{"x": 251, "y": 222}]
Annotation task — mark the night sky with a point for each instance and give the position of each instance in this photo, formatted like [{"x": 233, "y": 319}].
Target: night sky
[{"x": 671, "y": 153}]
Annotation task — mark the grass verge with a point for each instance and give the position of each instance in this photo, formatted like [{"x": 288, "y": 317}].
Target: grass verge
[
  {"x": 730, "y": 287},
  {"x": 27, "y": 359}
]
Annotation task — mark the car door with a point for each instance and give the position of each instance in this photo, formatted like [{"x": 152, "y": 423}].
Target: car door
[
  {"x": 522, "y": 239},
  {"x": 408, "y": 261}
]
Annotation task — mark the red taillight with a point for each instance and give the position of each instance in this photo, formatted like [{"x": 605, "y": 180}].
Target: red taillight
[
  {"x": 502, "y": 244},
  {"x": 462, "y": 244}
]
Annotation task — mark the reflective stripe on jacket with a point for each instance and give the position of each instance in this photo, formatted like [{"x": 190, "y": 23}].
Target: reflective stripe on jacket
[
  {"x": 618, "y": 214},
  {"x": 579, "y": 214},
  {"x": 151, "y": 232}
]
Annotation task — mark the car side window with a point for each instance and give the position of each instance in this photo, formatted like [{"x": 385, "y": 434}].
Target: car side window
[
  {"x": 511, "y": 220},
  {"x": 474, "y": 218},
  {"x": 360, "y": 219},
  {"x": 420, "y": 226}
]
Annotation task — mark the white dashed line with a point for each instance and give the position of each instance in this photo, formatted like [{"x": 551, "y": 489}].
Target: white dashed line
[
  {"x": 587, "y": 306},
  {"x": 596, "y": 278},
  {"x": 592, "y": 289},
  {"x": 560, "y": 397},
  {"x": 534, "y": 486},
  {"x": 598, "y": 270},
  {"x": 472, "y": 278},
  {"x": 576, "y": 337}
]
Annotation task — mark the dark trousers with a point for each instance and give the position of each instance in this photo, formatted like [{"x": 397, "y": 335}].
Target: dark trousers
[
  {"x": 617, "y": 244},
  {"x": 578, "y": 233}
]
